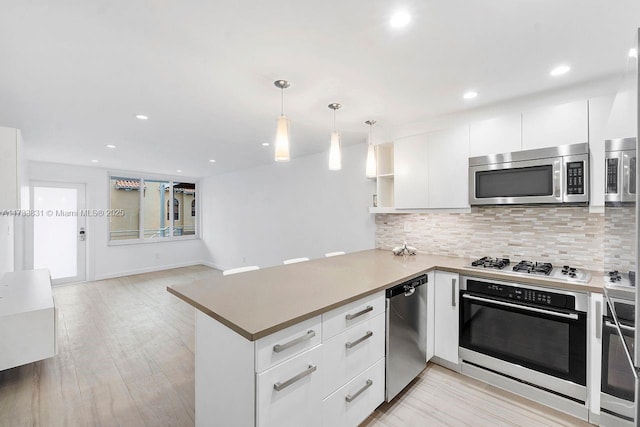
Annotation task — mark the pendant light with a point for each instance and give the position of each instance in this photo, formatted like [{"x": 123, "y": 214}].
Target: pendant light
[
  {"x": 282, "y": 132},
  {"x": 371, "y": 153},
  {"x": 335, "y": 155}
]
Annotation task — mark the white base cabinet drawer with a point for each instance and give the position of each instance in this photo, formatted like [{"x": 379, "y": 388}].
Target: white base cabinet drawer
[
  {"x": 351, "y": 352},
  {"x": 342, "y": 318},
  {"x": 284, "y": 344},
  {"x": 290, "y": 394},
  {"x": 353, "y": 403}
]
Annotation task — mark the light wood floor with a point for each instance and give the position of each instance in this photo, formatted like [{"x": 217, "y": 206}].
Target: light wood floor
[{"x": 126, "y": 358}]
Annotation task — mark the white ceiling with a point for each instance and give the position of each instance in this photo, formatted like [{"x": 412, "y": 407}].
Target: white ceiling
[{"x": 74, "y": 73}]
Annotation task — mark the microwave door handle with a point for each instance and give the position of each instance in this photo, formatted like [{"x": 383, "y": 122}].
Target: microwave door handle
[
  {"x": 625, "y": 174},
  {"x": 558, "y": 180}
]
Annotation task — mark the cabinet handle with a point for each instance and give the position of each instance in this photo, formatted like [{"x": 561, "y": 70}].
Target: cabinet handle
[
  {"x": 598, "y": 319},
  {"x": 349, "y": 398},
  {"x": 358, "y": 314},
  {"x": 366, "y": 336},
  {"x": 282, "y": 347},
  {"x": 280, "y": 386},
  {"x": 453, "y": 292}
]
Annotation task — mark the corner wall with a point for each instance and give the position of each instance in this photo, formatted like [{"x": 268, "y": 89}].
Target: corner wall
[{"x": 264, "y": 215}]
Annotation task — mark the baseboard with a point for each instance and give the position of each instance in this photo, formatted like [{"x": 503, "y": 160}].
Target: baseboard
[
  {"x": 213, "y": 265},
  {"x": 151, "y": 269}
]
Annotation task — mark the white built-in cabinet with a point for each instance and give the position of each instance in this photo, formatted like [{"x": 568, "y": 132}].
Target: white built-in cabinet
[
  {"x": 431, "y": 170},
  {"x": 11, "y": 169},
  {"x": 496, "y": 135},
  {"x": 555, "y": 125},
  {"x": 325, "y": 371},
  {"x": 431, "y": 315},
  {"x": 447, "y": 286}
]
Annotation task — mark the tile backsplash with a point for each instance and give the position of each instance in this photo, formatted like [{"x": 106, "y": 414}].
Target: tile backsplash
[{"x": 561, "y": 235}]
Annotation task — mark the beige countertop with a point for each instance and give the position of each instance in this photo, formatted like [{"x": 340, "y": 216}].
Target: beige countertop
[{"x": 258, "y": 303}]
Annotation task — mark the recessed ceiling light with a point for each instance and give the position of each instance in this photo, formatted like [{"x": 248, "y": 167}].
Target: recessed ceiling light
[
  {"x": 265, "y": 144},
  {"x": 470, "y": 95},
  {"x": 400, "y": 19},
  {"x": 111, "y": 146},
  {"x": 212, "y": 161},
  {"x": 560, "y": 70},
  {"x": 94, "y": 161},
  {"x": 633, "y": 52},
  {"x": 179, "y": 170},
  {"x": 141, "y": 117}
]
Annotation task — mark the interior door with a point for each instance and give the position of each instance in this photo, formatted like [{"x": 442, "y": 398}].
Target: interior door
[{"x": 58, "y": 239}]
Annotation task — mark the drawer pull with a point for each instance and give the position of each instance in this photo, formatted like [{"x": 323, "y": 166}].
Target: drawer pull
[
  {"x": 358, "y": 314},
  {"x": 280, "y": 386},
  {"x": 349, "y": 398},
  {"x": 282, "y": 347},
  {"x": 366, "y": 336}
]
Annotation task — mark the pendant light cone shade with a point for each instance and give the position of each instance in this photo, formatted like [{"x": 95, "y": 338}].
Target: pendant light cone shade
[
  {"x": 335, "y": 155},
  {"x": 371, "y": 168},
  {"x": 282, "y": 140},
  {"x": 371, "y": 161}
]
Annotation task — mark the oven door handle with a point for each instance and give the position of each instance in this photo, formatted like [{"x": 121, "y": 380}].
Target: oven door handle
[
  {"x": 623, "y": 327},
  {"x": 571, "y": 316}
]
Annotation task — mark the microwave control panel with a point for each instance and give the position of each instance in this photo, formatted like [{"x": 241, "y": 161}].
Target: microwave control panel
[{"x": 575, "y": 178}]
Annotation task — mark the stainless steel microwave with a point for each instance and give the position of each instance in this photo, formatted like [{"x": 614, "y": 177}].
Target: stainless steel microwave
[
  {"x": 556, "y": 175},
  {"x": 620, "y": 171}
]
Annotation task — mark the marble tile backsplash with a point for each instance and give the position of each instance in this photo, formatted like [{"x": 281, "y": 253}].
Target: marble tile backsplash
[{"x": 561, "y": 235}]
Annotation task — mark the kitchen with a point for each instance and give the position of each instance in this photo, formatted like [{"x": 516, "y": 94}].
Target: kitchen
[{"x": 429, "y": 207}]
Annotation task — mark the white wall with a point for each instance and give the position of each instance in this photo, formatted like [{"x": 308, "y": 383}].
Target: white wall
[
  {"x": 105, "y": 261},
  {"x": 6, "y": 244},
  {"x": 264, "y": 215}
]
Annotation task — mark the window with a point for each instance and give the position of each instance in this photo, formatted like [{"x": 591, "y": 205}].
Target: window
[{"x": 151, "y": 209}]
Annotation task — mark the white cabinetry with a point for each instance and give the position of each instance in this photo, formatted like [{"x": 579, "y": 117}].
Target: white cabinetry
[
  {"x": 411, "y": 172},
  {"x": 447, "y": 286},
  {"x": 297, "y": 376},
  {"x": 431, "y": 170},
  {"x": 448, "y": 168},
  {"x": 431, "y": 285},
  {"x": 11, "y": 169},
  {"x": 556, "y": 125},
  {"x": 27, "y": 318},
  {"x": 497, "y": 135}
]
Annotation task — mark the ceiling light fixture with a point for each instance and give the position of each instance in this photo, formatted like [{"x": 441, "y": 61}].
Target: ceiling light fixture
[
  {"x": 335, "y": 155},
  {"x": 111, "y": 146},
  {"x": 94, "y": 161},
  {"x": 560, "y": 70},
  {"x": 265, "y": 144},
  {"x": 179, "y": 170},
  {"x": 470, "y": 95},
  {"x": 212, "y": 161},
  {"x": 371, "y": 152},
  {"x": 282, "y": 132},
  {"x": 633, "y": 52},
  {"x": 400, "y": 19}
]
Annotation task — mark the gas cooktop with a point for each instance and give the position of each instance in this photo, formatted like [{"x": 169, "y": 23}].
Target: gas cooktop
[
  {"x": 545, "y": 269},
  {"x": 616, "y": 278}
]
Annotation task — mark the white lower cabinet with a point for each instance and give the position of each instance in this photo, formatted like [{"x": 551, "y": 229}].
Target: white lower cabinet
[
  {"x": 290, "y": 394},
  {"x": 447, "y": 318},
  {"x": 356, "y": 400},
  {"x": 354, "y": 350}
]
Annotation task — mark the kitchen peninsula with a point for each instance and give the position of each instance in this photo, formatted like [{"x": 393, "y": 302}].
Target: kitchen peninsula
[{"x": 250, "y": 325}]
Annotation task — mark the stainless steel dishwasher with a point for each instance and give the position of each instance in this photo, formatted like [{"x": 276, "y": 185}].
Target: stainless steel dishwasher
[{"x": 406, "y": 342}]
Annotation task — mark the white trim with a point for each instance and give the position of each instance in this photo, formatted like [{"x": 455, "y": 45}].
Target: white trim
[
  {"x": 149, "y": 270},
  {"x": 408, "y": 211},
  {"x": 213, "y": 265},
  {"x": 150, "y": 240}
]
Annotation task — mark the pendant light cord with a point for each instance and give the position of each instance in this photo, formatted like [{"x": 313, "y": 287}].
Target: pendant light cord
[
  {"x": 334, "y": 120},
  {"x": 282, "y": 101}
]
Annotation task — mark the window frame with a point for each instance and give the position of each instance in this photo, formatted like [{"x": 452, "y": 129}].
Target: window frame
[{"x": 147, "y": 177}]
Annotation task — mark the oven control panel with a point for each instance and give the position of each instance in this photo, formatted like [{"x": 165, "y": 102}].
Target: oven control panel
[
  {"x": 575, "y": 177},
  {"x": 522, "y": 294}
]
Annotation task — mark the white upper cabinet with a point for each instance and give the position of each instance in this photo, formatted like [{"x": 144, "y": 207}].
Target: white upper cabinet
[
  {"x": 11, "y": 168},
  {"x": 555, "y": 125},
  {"x": 497, "y": 135},
  {"x": 448, "y": 168},
  {"x": 411, "y": 186}
]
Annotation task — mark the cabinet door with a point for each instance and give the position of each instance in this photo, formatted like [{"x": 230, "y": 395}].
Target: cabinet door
[
  {"x": 496, "y": 135},
  {"x": 8, "y": 169},
  {"x": 290, "y": 394},
  {"x": 448, "y": 168},
  {"x": 411, "y": 184},
  {"x": 431, "y": 306},
  {"x": 556, "y": 125},
  {"x": 446, "y": 316},
  {"x": 599, "y": 110}
]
